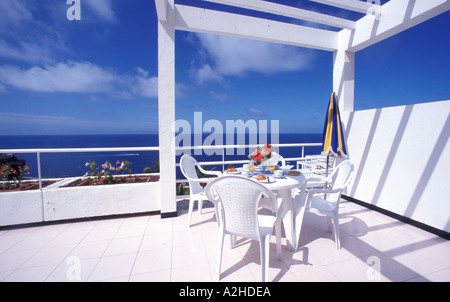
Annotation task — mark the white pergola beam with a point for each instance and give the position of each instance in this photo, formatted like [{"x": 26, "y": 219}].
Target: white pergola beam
[
  {"x": 353, "y": 5},
  {"x": 221, "y": 23},
  {"x": 288, "y": 11},
  {"x": 161, "y": 9},
  {"x": 397, "y": 16}
]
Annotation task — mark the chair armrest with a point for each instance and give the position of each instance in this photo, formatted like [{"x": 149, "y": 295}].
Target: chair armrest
[
  {"x": 326, "y": 191},
  {"x": 319, "y": 179},
  {"x": 200, "y": 180},
  {"x": 216, "y": 173},
  {"x": 313, "y": 191}
]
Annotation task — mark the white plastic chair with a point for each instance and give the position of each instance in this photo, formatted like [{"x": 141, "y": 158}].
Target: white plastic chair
[
  {"x": 275, "y": 159},
  {"x": 327, "y": 203},
  {"x": 237, "y": 201},
  {"x": 197, "y": 192}
]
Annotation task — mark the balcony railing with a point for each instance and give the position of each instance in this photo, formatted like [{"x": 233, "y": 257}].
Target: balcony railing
[
  {"x": 219, "y": 149},
  {"x": 70, "y": 150},
  {"x": 222, "y": 152}
]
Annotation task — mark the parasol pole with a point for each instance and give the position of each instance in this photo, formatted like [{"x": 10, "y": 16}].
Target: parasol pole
[{"x": 326, "y": 174}]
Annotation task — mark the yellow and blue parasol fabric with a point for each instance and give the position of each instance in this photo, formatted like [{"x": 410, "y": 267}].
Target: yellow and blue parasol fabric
[{"x": 333, "y": 134}]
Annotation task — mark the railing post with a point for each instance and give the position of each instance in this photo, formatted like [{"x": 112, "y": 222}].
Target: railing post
[
  {"x": 39, "y": 169},
  {"x": 38, "y": 155},
  {"x": 223, "y": 159}
]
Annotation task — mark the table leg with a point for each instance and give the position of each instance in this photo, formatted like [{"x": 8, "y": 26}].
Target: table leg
[
  {"x": 299, "y": 205},
  {"x": 285, "y": 212}
]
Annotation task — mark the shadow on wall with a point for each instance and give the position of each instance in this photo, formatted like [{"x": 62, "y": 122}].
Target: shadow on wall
[{"x": 409, "y": 136}]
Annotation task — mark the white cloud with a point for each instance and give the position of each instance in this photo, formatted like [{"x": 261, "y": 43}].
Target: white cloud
[
  {"x": 255, "y": 112},
  {"x": 220, "y": 97},
  {"x": 79, "y": 77},
  {"x": 206, "y": 73},
  {"x": 144, "y": 85},
  {"x": 100, "y": 8},
  {"x": 62, "y": 77},
  {"x": 32, "y": 120},
  {"x": 235, "y": 56},
  {"x": 13, "y": 13},
  {"x": 27, "y": 52},
  {"x": 54, "y": 124}
]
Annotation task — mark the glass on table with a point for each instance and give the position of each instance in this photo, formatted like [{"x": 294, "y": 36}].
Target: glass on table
[
  {"x": 252, "y": 167},
  {"x": 271, "y": 169}
]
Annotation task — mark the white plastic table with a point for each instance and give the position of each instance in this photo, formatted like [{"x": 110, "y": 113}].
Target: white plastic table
[{"x": 288, "y": 211}]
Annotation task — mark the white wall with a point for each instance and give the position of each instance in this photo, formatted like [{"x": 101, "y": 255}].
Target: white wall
[{"x": 402, "y": 160}]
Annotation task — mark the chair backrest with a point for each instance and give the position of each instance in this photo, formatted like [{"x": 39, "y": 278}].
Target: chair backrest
[
  {"x": 238, "y": 199},
  {"x": 280, "y": 159},
  {"x": 341, "y": 176},
  {"x": 275, "y": 158},
  {"x": 187, "y": 167}
]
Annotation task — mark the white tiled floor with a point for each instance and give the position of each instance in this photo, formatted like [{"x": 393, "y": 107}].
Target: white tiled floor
[{"x": 147, "y": 248}]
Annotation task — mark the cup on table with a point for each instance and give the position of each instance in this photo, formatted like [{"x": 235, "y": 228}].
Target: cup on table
[
  {"x": 278, "y": 173},
  {"x": 246, "y": 173}
]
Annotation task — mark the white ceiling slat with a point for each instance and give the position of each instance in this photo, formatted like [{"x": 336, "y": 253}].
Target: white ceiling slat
[
  {"x": 398, "y": 16},
  {"x": 288, "y": 11},
  {"x": 393, "y": 17},
  {"x": 221, "y": 23},
  {"x": 354, "y": 5}
]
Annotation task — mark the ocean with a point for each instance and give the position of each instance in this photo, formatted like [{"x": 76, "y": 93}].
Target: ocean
[{"x": 57, "y": 165}]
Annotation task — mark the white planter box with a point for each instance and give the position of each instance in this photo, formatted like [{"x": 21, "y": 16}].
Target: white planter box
[
  {"x": 103, "y": 200},
  {"x": 59, "y": 203},
  {"x": 20, "y": 207}
]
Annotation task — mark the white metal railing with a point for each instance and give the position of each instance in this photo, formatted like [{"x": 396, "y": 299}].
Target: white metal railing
[
  {"x": 224, "y": 147},
  {"x": 224, "y": 162},
  {"x": 71, "y": 150},
  {"x": 222, "y": 152}
]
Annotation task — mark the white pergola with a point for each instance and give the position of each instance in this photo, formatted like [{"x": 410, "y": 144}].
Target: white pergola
[{"x": 380, "y": 22}]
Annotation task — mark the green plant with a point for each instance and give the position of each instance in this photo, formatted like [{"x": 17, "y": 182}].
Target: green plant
[
  {"x": 182, "y": 189},
  {"x": 108, "y": 172},
  {"x": 12, "y": 176},
  {"x": 155, "y": 168}
]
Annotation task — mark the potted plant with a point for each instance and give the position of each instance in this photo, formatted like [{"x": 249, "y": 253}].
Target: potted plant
[{"x": 12, "y": 177}]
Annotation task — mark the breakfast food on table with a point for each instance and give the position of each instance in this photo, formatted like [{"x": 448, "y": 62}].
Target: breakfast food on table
[
  {"x": 293, "y": 172},
  {"x": 260, "y": 177},
  {"x": 230, "y": 168}
]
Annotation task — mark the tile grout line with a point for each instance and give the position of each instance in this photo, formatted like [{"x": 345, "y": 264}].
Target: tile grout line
[
  {"x": 103, "y": 254},
  {"x": 43, "y": 246},
  {"x": 65, "y": 258},
  {"x": 17, "y": 267},
  {"x": 140, "y": 245}
]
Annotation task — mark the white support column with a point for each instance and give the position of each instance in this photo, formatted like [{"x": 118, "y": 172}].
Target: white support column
[
  {"x": 344, "y": 79},
  {"x": 166, "y": 107}
]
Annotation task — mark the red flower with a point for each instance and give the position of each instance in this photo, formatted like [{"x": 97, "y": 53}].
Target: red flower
[
  {"x": 267, "y": 149},
  {"x": 257, "y": 156}
]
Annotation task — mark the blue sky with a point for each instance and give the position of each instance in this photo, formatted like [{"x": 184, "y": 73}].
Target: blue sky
[{"x": 98, "y": 75}]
